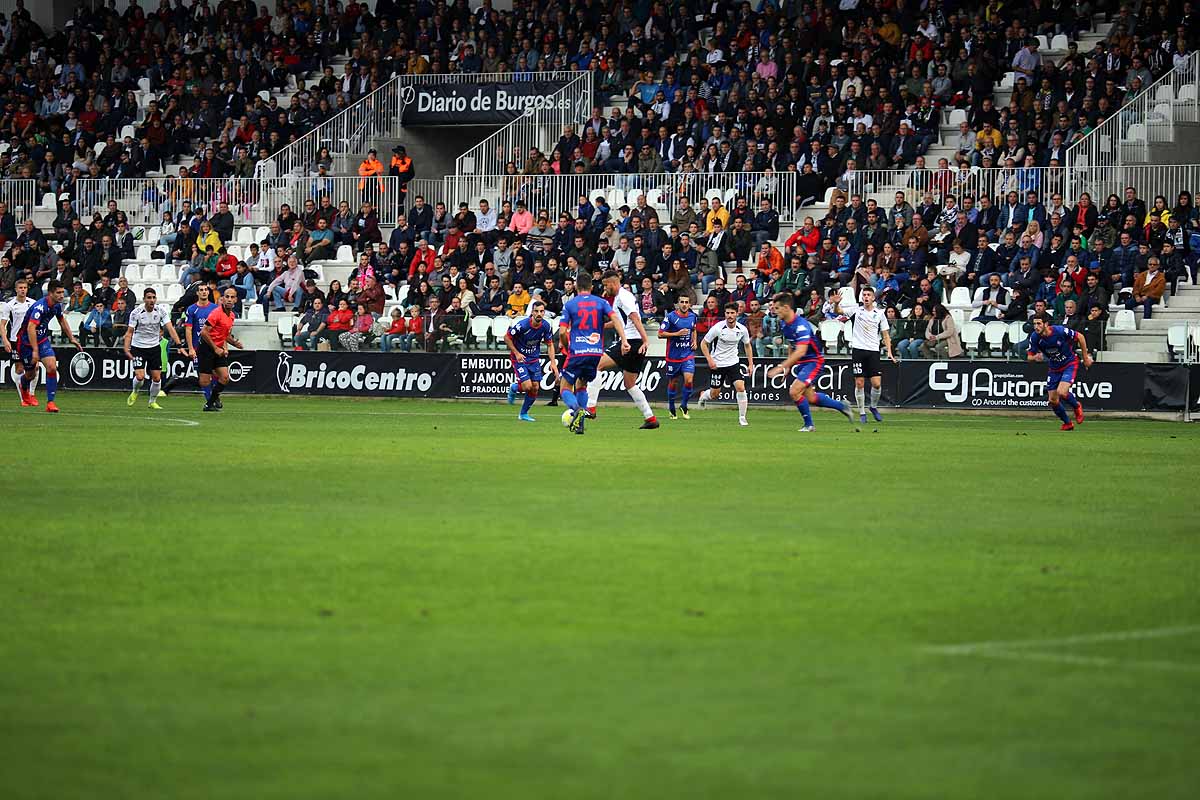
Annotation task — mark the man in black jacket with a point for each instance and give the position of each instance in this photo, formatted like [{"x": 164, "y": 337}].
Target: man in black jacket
[
  {"x": 766, "y": 224},
  {"x": 222, "y": 223}
]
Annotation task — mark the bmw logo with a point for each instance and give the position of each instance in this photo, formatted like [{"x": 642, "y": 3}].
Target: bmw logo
[{"x": 83, "y": 368}]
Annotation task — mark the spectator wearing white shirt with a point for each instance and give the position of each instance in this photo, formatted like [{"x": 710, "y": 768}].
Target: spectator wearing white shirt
[{"x": 991, "y": 301}]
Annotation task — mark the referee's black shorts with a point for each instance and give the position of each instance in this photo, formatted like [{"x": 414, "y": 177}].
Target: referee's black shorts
[
  {"x": 633, "y": 361},
  {"x": 726, "y": 377},
  {"x": 149, "y": 358},
  {"x": 866, "y": 363},
  {"x": 208, "y": 360}
]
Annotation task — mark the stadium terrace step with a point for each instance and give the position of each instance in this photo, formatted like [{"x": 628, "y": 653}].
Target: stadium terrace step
[{"x": 1135, "y": 356}]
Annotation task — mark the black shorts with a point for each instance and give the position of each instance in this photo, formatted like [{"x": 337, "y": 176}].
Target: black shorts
[
  {"x": 866, "y": 363},
  {"x": 633, "y": 361},
  {"x": 207, "y": 359},
  {"x": 149, "y": 358},
  {"x": 726, "y": 377}
]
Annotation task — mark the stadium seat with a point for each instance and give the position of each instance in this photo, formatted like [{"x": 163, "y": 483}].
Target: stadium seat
[
  {"x": 402, "y": 294},
  {"x": 235, "y": 251},
  {"x": 959, "y": 316},
  {"x": 345, "y": 254},
  {"x": 500, "y": 327},
  {"x": 480, "y": 327},
  {"x": 831, "y": 329},
  {"x": 137, "y": 289},
  {"x": 960, "y": 297},
  {"x": 971, "y": 333},
  {"x": 261, "y": 233},
  {"x": 49, "y": 201},
  {"x": 143, "y": 84},
  {"x": 1177, "y": 338},
  {"x": 1060, "y": 43},
  {"x": 1164, "y": 92},
  {"x": 1043, "y": 41},
  {"x": 1187, "y": 92},
  {"x": 132, "y": 273},
  {"x": 143, "y": 252},
  {"x": 255, "y": 313},
  {"x": 1016, "y": 332},
  {"x": 174, "y": 292},
  {"x": 1008, "y": 81},
  {"x": 995, "y": 335},
  {"x": 244, "y": 235},
  {"x": 714, "y": 193},
  {"x": 1122, "y": 320},
  {"x": 956, "y": 116},
  {"x": 283, "y": 325}
]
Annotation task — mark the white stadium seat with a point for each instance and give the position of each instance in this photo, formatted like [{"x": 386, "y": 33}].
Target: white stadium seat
[
  {"x": 1122, "y": 320},
  {"x": 971, "y": 331},
  {"x": 1060, "y": 43},
  {"x": 255, "y": 313},
  {"x": 480, "y": 327},
  {"x": 174, "y": 292},
  {"x": 960, "y": 297},
  {"x": 994, "y": 333},
  {"x": 133, "y": 273},
  {"x": 345, "y": 254},
  {"x": 500, "y": 327}
]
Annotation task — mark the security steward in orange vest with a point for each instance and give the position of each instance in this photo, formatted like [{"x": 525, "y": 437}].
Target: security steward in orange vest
[
  {"x": 371, "y": 165},
  {"x": 402, "y": 168}
]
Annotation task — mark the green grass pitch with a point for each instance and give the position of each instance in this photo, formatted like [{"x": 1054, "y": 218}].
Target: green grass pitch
[{"x": 319, "y": 598}]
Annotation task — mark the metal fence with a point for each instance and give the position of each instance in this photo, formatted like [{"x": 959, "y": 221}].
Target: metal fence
[
  {"x": 555, "y": 193},
  {"x": 251, "y": 201},
  {"x": 1129, "y": 134},
  {"x": 20, "y": 195},
  {"x": 379, "y": 115},
  {"x": 996, "y": 182},
  {"x": 540, "y": 128}
]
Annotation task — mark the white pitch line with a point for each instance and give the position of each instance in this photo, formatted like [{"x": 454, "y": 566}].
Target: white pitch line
[
  {"x": 1087, "y": 638},
  {"x": 66, "y": 414},
  {"x": 1086, "y": 661}
]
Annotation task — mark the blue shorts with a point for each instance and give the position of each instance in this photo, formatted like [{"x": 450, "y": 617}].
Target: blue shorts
[
  {"x": 677, "y": 368},
  {"x": 44, "y": 351},
  {"x": 528, "y": 371},
  {"x": 580, "y": 368},
  {"x": 809, "y": 371},
  {"x": 1064, "y": 375}
]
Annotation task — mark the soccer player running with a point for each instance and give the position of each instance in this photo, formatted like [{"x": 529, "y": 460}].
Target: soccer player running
[
  {"x": 1055, "y": 344},
  {"x": 213, "y": 350},
  {"x": 631, "y": 361},
  {"x": 193, "y": 322},
  {"x": 679, "y": 329},
  {"x": 524, "y": 340},
  {"x": 12, "y": 318},
  {"x": 146, "y": 324},
  {"x": 804, "y": 362},
  {"x": 583, "y": 318},
  {"x": 869, "y": 325},
  {"x": 725, "y": 362},
  {"x": 34, "y": 344}
]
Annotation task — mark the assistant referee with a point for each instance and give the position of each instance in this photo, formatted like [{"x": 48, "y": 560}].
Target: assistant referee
[{"x": 868, "y": 325}]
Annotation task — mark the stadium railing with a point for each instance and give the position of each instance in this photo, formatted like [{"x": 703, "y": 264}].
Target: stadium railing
[
  {"x": 251, "y": 200},
  {"x": 1128, "y": 134},
  {"x": 378, "y": 115},
  {"x": 540, "y": 128},
  {"x": 662, "y": 190},
  {"x": 21, "y": 197}
]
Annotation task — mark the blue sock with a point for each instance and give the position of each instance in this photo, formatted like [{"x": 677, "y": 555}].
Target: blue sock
[
  {"x": 805, "y": 411},
  {"x": 515, "y": 387},
  {"x": 568, "y": 397},
  {"x": 529, "y": 398},
  {"x": 1071, "y": 401},
  {"x": 51, "y": 387},
  {"x": 25, "y": 383},
  {"x": 825, "y": 401},
  {"x": 1061, "y": 412},
  {"x": 687, "y": 395},
  {"x": 671, "y": 400},
  {"x": 581, "y": 397},
  {"x": 207, "y": 392}
]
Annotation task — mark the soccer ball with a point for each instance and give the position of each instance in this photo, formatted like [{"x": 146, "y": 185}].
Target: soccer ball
[{"x": 567, "y": 416}]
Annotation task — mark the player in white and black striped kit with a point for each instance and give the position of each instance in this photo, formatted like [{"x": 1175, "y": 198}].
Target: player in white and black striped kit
[
  {"x": 12, "y": 320},
  {"x": 868, "y": 325},
  {"x": 146, "y": 324},
  {"x": 630, "y": 363},
  {"x": 725, "y": 360}
]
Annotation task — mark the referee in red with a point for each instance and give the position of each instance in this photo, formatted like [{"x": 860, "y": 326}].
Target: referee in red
[{"x": 213, "y": 355}]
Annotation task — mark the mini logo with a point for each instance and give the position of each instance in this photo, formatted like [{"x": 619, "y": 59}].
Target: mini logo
[
  {"x": 407, "y": 95},
  {"x": 593, "y": 338},
  {"x": 83, "y": 368},
  {"x": 283, "y": 372},
  {"x": 238, "y": 370}
]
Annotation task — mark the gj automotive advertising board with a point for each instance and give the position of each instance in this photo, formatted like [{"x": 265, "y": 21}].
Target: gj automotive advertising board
[
  {"x": 478, "y": 103},
  {"x": 1014, "y": 385}
]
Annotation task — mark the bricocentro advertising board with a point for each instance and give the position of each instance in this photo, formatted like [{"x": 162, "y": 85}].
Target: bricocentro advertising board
[
  {"x": 956, "y": 384},
  {"x": 478, "y": 103}
]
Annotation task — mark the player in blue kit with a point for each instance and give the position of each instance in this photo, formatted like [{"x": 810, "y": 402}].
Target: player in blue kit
[
  {"x": 679, "y": 329},
  {"x": 805, "y": 361},
  {"x": 1055, "y": 345},
  {"x": 193, "y": 324},
  {"x": 524, "y": 340},
  {"x": 583, "y": 318},
  {"x": 34, "y": 343}
]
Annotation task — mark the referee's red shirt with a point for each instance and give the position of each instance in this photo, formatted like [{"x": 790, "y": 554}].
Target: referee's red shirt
[{"x": 220, "y": 325}]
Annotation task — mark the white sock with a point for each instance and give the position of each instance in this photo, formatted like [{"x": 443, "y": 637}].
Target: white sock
[
  {"x": 33, "y": 380},
  {"x": 743, "y": 400},
  {"x": 154, "y": 387},
  {"x": 876, "y": 393},
  {"x": 17, "y": 386},
  {"x": 593, "y": 390},
  {"x": 861, "y": 396},
  {"x": 137, "y": 385},
  {"x": 639, "y": 400}
]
